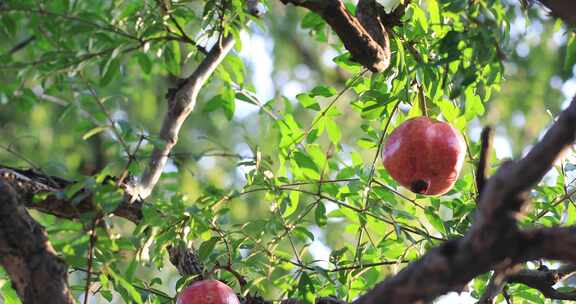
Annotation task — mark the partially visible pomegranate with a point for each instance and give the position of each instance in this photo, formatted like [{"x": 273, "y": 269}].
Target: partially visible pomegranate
[
  {"x": 424, "y": 155},
  {"x": 208, "y": 292}
]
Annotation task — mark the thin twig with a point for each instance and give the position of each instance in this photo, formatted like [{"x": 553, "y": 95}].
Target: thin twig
[
  {"x": 131, "y": 159},
  {"x": 21, "y": 45},
  {"x": 91, "y": 245},
  {"x": 30, "y": 163},
  {"x": 422, "y": 100},
  {"x": 484, "y": 161},
  {"x": 558, "y": 201},
  {"x": 108, "y": 116}
]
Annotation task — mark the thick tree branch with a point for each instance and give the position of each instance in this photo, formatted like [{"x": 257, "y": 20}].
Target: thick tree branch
[
  {"x": 28, "y": 184},
  {"x": 363, "y": 47},
  {"x": 550, "y": 243},
  {"x": 544, "y": 279},
  {"x": 37, "y": 274},
  {"x": 565, "y": 10},
  {"x": 181, "y": 102},
  {"x": 541, "y": 279}
]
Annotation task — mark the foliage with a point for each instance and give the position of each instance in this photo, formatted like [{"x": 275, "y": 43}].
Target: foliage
[{"x": 270, "y": 191}]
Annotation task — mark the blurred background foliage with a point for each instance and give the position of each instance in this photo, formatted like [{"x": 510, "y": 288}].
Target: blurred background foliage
[{"x": 276, "y": 167}]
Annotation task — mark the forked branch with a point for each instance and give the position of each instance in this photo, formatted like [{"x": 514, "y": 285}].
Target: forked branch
[{"x": 181, "y": 102}]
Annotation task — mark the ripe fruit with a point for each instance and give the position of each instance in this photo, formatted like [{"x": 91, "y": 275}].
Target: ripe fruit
[
  {"x": 208, "y": 292},
  {"x": 424, "y": 155}
]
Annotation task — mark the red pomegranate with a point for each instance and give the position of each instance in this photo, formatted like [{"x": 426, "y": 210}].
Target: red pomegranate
[
  {"x": 424, "y": 155},
  {"x": 208, "y": 292}
]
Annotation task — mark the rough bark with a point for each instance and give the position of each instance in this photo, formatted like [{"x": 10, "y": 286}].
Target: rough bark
[
  {"x": 564, "y": 9},
  {"x": 38, "y": 275},
  {"x": 29, "y": 183},
  {"x": 363, "y": 47},
  {"x": 543, "y": 280}
]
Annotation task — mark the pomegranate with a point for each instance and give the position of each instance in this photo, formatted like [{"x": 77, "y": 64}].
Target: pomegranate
[
  {"x": 208, "y": 292},
  {"x": 424, "y": 155}
]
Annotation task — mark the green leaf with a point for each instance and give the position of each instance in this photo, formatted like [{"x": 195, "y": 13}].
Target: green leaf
[
  {"x": 235, "y": 66},
  {"x": 311, "y": 21},
  {"x": 320, "y": 215},
  {"x": 222, "y": 101},
  {"x": 213, "y": 104},
  {"x": 172, "y": 58},
  {"x": 324, "y": 91},
  {"x": 94, "y": 131},
  {"x": 8, "y": 293},
  {"x": 530, "y": 296},
  {"x": 110, "y": 70},
  {"x": 306, "y": 289},
  {"x": 474, "y": 106},
  {"x": 132, "y": 292},
  {"x": 308, "y": 102},
  {"x": 292, "y": 203},
  {"x": 392, "y": 249},
  {"x": 131, "y": 8},
  {"x": 9, "y": 25},
  {"x": 130, "y": 270},
  {"x": 207, "y": 247},
  {"x": 570, "y": 59},
  {"x": 345, "y": 61},
  {"x": 289, "y": 129},
  {"x": 420, "y": 19},
  {"x": 435, "y": 221},
  {"x": 144, "y": 62},
  {"x": 434, "y": 12},
  {"x": 333, "y": 131},
  {"x": 26, "y": 101},
  {"x": 307, "y": 165},
  {"x": 366, "y": 143},
  {"x": 449, "y": 110},
  {"x": 229, "y": 105},
  {"x": 317, "y": 155},
  {"x": 303, "y": 233}
]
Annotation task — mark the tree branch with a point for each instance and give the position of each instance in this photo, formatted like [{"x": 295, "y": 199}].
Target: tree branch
[
  {"x": 37, "y": 274},
  {"x": 484, "y": 160},
  {"x": 20, "y": 45},
  {"x": 181, "y": 102},
  {"x": 565, "y": 10},
  {"x": 28, "y": 184},
  {"x": 363, "y": 47},
  {"x": 543, "y": 280},
  {"x": 497, "y": 283}
]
